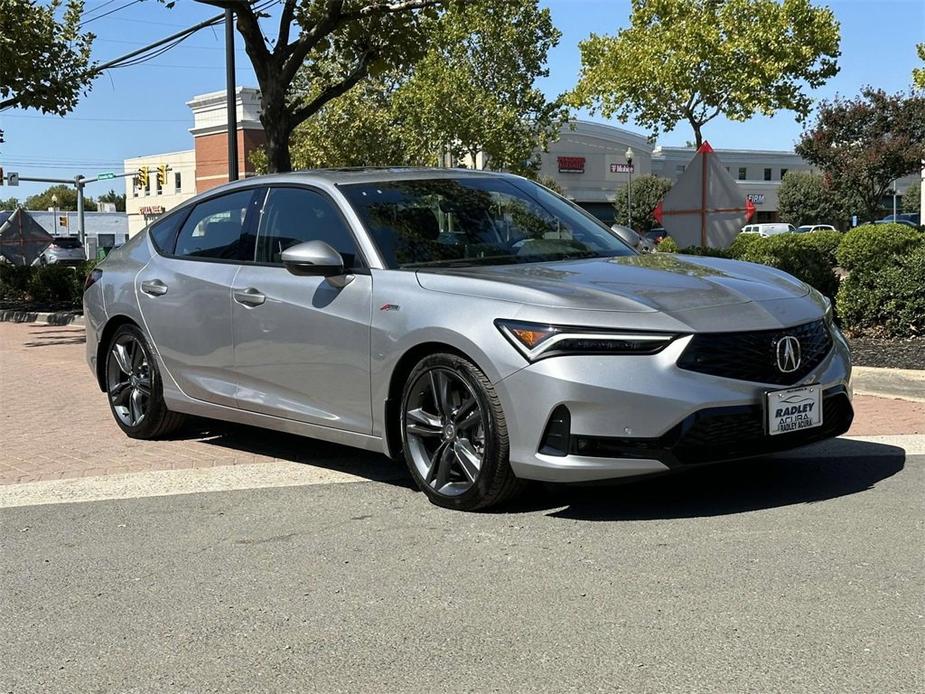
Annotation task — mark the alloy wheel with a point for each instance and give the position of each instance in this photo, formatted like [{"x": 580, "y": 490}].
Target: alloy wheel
[
  {"x": 128, "y": 380},
  {"x": 445, "y": 431}
]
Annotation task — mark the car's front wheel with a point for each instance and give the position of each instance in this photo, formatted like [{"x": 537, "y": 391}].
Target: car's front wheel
[
  {"x": 133, "y": 386},
  {"x": 454, "y": 435}
]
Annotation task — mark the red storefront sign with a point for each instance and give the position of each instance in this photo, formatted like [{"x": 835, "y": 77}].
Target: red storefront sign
[{"x": 571, "y": 164}]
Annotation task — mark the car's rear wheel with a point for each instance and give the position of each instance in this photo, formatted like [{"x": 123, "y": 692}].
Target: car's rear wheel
[
  {"x": 133, "y": 386},
  {"x": 454, "y": 435}
]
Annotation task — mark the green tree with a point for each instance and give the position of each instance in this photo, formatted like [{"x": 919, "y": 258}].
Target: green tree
[
  {"x": 864, "y": 144},
  {"x": 337, "y": 44},
  {"x": 912, "y": 198},
  {"x": 66, "y": 200},
  {"x": 44, "y": 58},
  {"x": 114, "y": 197},
  {"x": 805, "y": 198},
  {"x": 693, "y": 60},
  {"x": 918, "y": 74},
  {"x": 472, "y": 92},
  {"x": 646, "y": 193},
  {"x": 9, "y": 204}
]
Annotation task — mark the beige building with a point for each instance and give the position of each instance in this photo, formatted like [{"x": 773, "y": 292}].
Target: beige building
[
  {"x": 195, "y": 170},
  {"x": 143, "y": 205}
]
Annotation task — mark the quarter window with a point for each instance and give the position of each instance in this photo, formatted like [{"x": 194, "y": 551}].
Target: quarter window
[
  {"x": 215, "y": 229},
  {"x": 296, "y": 215},
  {"x": 164, "y": 231}
]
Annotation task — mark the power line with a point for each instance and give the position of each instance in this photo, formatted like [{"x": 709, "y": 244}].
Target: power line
[{"x": 106, "y": 14}]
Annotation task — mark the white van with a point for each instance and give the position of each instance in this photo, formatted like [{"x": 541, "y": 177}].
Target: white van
[{"x": 768, "y": 229}]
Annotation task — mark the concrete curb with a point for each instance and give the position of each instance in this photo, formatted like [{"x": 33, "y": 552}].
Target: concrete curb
[
  {"x": 42, "y": 317},
  {"x": 905, "y": 384}
]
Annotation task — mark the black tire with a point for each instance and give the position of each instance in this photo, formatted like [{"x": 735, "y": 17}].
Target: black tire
[
  {"x": 495, "y": 482},
  {"x": 157, "y": 420}
]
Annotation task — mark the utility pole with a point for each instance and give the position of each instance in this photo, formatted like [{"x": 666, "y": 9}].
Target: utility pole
[
  {"x": 79, "y": 183},
  {"x": 231, "y": 96}
]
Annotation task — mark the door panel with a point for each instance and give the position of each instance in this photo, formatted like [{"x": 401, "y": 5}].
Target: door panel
[
  {"x": 303, "y": 352},
  {"x": 190, "y": 323}
]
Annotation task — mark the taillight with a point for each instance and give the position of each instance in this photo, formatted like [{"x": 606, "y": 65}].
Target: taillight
[{"x": 92, "y": 278}]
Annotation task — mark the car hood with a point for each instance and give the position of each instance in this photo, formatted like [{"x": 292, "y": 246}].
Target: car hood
[{"x": 644, "y": 283}]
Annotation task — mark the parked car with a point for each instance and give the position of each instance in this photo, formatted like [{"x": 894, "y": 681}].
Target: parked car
[
  {"x": 900, "y": 219},
  {"x": 809, "y": 228},
  {"x": 475, "y": 325},
  {"x": 633, "y": 238},
  {"x": 64, "y": 250},
  {"x": 657, "y": 235},
  {"x": 768, "y": 229}
]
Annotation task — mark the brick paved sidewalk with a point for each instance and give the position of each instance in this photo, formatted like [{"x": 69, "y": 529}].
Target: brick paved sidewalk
[{"x": 55, "y": 424}]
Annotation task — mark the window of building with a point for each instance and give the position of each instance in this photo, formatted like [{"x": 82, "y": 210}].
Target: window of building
[
  {"x": 767, "y": 174},
  {"x": 177, "y": 182},
  {"x": 679, "y": 169},
  {"x": 742, "y": 173},
  {"x": 783, "y": 172},
  {"x": 295, "y": 215},
  {"x": 215, "y": 228}
]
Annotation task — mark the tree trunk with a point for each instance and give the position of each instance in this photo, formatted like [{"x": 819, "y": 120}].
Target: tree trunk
[
  {"x": 278, "y": 160},
  {"x": 698, "y": 135}
]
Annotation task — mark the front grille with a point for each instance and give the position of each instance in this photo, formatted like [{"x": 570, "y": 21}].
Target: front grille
[{"x": 752, "y": 356}]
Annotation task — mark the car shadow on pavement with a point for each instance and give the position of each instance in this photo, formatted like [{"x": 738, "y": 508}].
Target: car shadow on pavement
[
  {"x": 296, "y": 449},
  {"x": 53, "y": 336},
  {"x": 802, "y": 477}
]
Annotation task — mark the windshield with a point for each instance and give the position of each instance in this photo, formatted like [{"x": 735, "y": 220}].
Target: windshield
[
  {"x": 445, "y": 222},
  {"x": 67, "y": 242}
]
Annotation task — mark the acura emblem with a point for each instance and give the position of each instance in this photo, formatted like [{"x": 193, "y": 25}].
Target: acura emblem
[{"x": 788, "y": 354}]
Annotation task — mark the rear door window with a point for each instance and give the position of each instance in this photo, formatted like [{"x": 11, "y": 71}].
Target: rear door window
[{"x": 216, "y": 228}]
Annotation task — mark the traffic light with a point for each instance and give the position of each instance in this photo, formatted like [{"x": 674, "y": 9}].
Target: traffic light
[
  {"x": 1, "y": 175},
  {"x": 2, "y": 140},
  {"x": 162, "y": 175},
  {"x": 144, "y": 177}
]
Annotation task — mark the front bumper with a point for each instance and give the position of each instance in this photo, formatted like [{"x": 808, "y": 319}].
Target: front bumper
[{"x": 638, "y": 415}]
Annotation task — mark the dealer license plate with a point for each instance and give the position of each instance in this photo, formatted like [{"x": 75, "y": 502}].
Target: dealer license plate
[{"x": 794, "y": 409}]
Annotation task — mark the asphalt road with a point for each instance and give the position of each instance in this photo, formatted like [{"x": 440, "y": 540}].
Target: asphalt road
[{"x": 773, "y": 576}]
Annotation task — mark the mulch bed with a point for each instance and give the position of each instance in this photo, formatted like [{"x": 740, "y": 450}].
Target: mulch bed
[
  {"x": 907, "y": 353},
  {"x": 37, "y": 307}
]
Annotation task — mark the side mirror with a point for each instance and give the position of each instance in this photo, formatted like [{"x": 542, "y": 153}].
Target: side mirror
[{"x": 315, "y": 258}]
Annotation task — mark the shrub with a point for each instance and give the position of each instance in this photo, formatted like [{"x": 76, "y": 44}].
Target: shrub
[
  {"x": 804, "y": 257},
  {"x": 870, "y": 247},
  {"x": 889, "y": 299},
  {"x": 742, "y": 243},
  {"x": 56, "y": 284},
  {"x": 14, "y": 281},
  {"x": 668, "y": 245}
]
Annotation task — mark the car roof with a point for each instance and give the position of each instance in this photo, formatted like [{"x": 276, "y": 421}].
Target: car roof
[{"x": 373, "y": 174}]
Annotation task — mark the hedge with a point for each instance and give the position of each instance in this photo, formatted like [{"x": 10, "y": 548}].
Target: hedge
[
  {"x": 808, "y": 257},
  {"x": 47, "y": 284},
  {"x": 874, "y": 246}
]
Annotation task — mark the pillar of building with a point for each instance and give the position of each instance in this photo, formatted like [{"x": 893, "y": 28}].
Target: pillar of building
[{"x": 210, "y": 135}]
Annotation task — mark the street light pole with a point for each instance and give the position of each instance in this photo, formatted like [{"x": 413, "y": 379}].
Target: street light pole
[{"x": 629, "y": 187}]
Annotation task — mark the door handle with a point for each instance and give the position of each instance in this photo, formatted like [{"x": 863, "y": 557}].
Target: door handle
[
  {"x": 154, "y": 287},
  {"x": 249, "y": 297}
]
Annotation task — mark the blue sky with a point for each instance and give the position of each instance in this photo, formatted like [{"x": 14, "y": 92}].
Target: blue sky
[{"x": 142, "y": 110}]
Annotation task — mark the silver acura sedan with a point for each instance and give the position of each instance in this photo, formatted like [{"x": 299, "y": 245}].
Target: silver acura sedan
[{"x": 477, "y": 325}]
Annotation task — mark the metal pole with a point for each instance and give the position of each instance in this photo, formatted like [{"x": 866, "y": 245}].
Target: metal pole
[
  {"x": 231, "y": 96},
  {"x": 894, "y": 200},
  {"x": 629, "y": 194},
  {"x": 79, "y": 182}
]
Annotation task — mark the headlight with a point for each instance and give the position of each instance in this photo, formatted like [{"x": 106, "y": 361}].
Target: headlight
[{"x": 541, "y": 340}]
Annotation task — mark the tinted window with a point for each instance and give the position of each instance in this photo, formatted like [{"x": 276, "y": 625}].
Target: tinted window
[
  {"x": 215, "y": 228},
  {"x": 69, "y": 242},
  {"x": 476, "y": 220},
  {"x": 164, "y": 231},
  {"x": 295, "y": 215}
]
